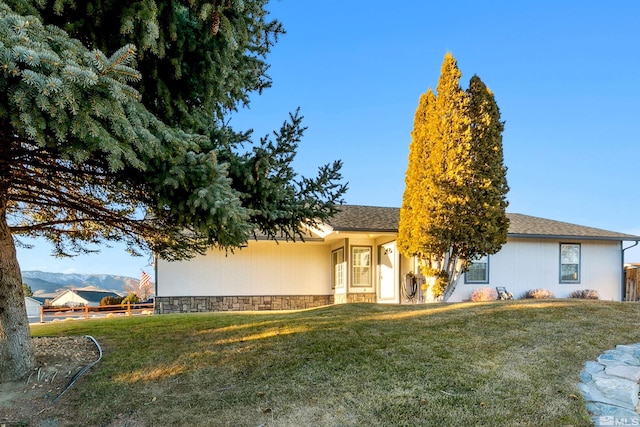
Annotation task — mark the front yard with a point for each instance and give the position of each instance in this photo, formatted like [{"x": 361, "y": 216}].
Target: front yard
[{"x": 498, "y": 363}]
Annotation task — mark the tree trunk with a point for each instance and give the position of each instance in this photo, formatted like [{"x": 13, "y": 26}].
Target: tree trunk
[
  {"x": 454, "y": 269},
  {"x": 16, "y": 353}
]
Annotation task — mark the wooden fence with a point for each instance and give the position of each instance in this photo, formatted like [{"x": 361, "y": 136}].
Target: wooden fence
[
  {"x": 84, "y": 311},
  {"x": 631, "y": 280}
]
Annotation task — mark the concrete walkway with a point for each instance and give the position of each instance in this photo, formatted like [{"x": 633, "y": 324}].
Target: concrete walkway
[{"x": 610, "y": 386}]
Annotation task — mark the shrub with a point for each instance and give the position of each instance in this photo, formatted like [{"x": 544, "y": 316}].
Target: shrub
[
  {"x": 130, "y": 299},
  {"x": 442, "y": 281},
  {"x": 585, "y": 294},
  {"x": 538, "y": 294},
  {"x": 484, "y": 294},
  {"x": 110, "y": 301}
]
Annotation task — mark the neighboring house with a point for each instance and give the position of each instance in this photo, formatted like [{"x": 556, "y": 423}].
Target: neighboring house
[
  {"x": 33, "y": 306},
  {"x": 76, "y": 297},
  {"x": 355, "y": 259}
]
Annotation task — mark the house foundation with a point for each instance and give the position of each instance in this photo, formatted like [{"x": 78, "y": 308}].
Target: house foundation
[{"x": 166, "y": 305}]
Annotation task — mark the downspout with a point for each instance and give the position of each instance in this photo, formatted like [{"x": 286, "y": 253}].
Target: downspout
[{"x": 624, "y": 285}]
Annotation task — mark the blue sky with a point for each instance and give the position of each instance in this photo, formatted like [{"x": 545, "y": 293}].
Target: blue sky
[{"x": 564, "y": 75}]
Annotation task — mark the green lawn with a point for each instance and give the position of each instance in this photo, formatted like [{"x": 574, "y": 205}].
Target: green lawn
[{"x": 502, "y": 363}]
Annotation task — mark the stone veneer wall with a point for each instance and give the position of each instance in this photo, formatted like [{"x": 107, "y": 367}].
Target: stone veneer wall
[{"x": 165, "y": 305}]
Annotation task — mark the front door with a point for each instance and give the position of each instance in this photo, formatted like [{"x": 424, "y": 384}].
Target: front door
[{"x": 387, "y": 273}]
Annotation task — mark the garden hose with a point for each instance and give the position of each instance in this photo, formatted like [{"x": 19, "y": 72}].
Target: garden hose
[
  {"x": 83, "y": 370},
  {"x": 410, "y": 288}
]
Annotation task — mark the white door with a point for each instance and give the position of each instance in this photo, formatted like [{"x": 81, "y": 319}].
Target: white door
[{"x": 388, "y": 274}]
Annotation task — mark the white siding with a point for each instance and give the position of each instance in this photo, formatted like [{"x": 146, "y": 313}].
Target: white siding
[
  {"x": 33, "y": 307},
  {"x": 526, "y": 264},
  {"x": 262, "y": 268},
  {"x": 69, "y": 299},
  {"x": 265, "y": 268}
]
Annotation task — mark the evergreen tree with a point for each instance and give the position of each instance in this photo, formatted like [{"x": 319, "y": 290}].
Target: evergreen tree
[
  {"x": 490, "y": 188},
  {"x": 133, "y": 146},
  {"x": 410, "y": 238},
  {"x": 454, "y": 208},
  {"x": 198, "y": 62},
  {"x": 26, "y": 290}
]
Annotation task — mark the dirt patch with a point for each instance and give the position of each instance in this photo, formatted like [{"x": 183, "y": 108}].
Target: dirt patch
[{"x": 58, "y": 361}]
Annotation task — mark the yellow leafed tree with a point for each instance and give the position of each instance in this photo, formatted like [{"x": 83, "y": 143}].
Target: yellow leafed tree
[{"x": 453, "y": 207}]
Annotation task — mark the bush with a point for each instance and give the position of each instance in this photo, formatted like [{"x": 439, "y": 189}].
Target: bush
[
  {"x": 130, "y": 299},
  {"x": 585, "y": 294},
  {"x": 484, "y": 294},
  {"x": 442, "y": 281},
  {"x": 538, "y": 294},
  {"x": 111, "y": 301}
]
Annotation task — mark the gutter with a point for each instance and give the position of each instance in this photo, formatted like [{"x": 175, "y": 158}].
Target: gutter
[
  {"x": 569, "y": 237},
  {"x": 624, "y": 285}
]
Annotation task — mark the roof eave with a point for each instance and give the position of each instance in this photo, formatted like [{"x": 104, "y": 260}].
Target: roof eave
[
  {"x": 285, "y": 240},
  {"x": 575, "y": 237},
  {"x": 365, "y": 230}
]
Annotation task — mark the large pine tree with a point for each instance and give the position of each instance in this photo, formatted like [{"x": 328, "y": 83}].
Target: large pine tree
[
  {"x": 454, "y": 202},
  {"x": 133, "y": 145},
  {"x": 199, "y": 61}
]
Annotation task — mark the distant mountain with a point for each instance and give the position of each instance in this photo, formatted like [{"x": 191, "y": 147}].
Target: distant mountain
[{"x": 43, "y": 283}]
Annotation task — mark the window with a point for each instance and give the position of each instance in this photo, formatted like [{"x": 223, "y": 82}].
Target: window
[
  {"x": 337, "y": 269},
  {"x": 361, "y": 261},
  {"x": 569, "y": 263},
  {"x": 478, "y": 271}
]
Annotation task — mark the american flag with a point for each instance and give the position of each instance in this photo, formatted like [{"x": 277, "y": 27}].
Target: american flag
[{"x": 144, "y": 280}]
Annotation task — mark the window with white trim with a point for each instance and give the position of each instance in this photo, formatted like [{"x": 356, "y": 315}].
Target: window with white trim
[
  {"x": 569, "y": 262},
  {"x": 338, "y": 271},
  {"x": 361, "y": 266},
  {"x": 478, "y": 271}
]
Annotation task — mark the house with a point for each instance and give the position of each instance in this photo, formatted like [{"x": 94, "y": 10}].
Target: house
[
  {"x": 33, "y": 306},
  {"x": 354, "y": 259},
  {"x": 79, "y": 297}
]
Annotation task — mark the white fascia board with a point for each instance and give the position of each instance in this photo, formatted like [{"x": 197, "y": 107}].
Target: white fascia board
[{"x": 321, "y": 230}]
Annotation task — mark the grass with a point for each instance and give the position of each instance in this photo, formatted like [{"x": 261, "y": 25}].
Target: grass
[{"x": 501, "y": 363}]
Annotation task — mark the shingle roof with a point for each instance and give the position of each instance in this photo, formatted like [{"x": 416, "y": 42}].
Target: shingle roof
[
  {"x": 379, "y": 219},
  {"x": 95, "y": 296},
  {"x": 531, "y": 226},
  {"x": 365, "y": 218}
]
